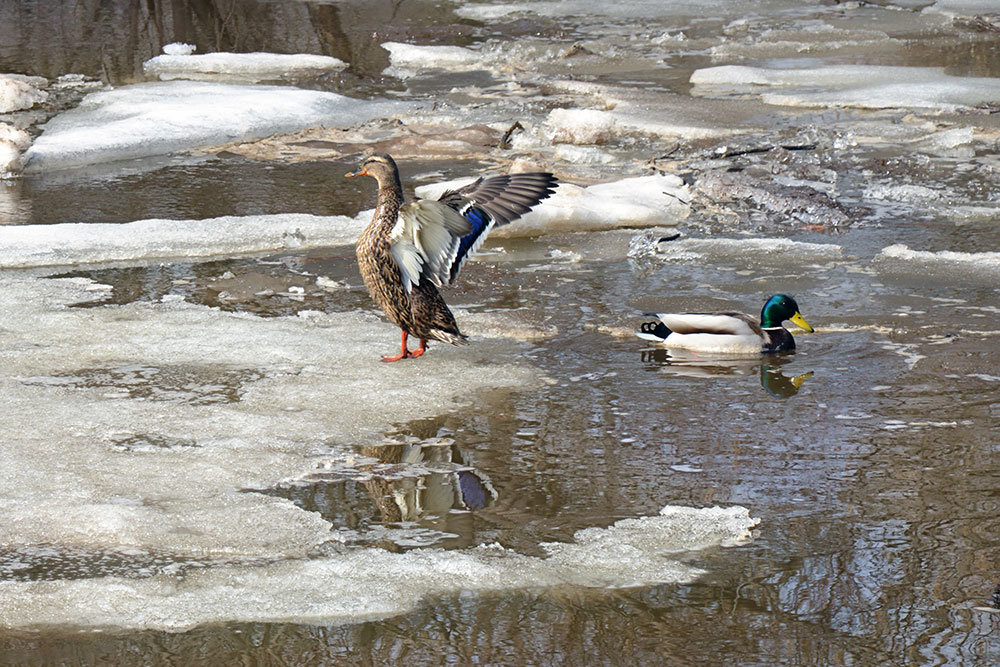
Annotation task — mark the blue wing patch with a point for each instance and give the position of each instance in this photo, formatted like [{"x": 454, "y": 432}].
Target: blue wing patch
[{"x": 482, "y": 222}]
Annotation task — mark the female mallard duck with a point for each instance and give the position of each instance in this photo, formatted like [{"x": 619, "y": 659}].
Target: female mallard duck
[
  {"x": 410, "y": 250},
  {"x": 729, "y": 333}
]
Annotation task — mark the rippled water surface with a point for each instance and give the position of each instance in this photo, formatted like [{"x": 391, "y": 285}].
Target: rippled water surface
[{"x": 871, "y": 454}]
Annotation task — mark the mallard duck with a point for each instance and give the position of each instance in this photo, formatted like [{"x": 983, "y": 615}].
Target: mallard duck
[
  {"x": 728, "y": 333},
  {"x": 410, "y": 250}
]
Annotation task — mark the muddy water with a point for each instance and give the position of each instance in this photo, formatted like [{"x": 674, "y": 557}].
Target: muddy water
[{"x": 871, "y": 453}]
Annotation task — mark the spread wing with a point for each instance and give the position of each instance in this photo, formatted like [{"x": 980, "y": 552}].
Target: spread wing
[
  {"x": 432, "y": 239},
  {"x": 734, "y": 324},
  {"x": 493, "y": 202},
  {"x": 426, "y": 240}
]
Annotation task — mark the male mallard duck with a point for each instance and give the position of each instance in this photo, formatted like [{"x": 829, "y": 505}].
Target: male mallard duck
[
  {"x": 409, "y": 250},
  {"x": 729, "y": 333}
]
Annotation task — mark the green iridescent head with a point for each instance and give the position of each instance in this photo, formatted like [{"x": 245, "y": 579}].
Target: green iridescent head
[{"x": 779, "y": 308}]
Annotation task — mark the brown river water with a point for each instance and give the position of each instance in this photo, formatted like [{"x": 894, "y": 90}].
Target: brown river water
[{"x": 871, "y": 455}]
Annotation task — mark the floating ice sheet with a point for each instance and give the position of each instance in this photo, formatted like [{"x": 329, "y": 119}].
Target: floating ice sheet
[
  {"x": 251, "y": 67},
  {"x": 794, "y": 40},
  {"x": 748, "y": 250},
  {"x": 143, "y": 241},
  {"x": 619, "y": 112},
  {"x": 408, "y": 59},
  {"x": 636, "y": 202},
  {"x": 20, "y": 92},
  {"x": 864, "y": 86},
  {"x": 637, "y": 9},
  {"x": 963, "y": 7},
  {"x": 958, "y": 267},
  {"x": 369, "y": 584},
  {"x": 160, "y": 118},
  {"x": 140, "y": 426},
  {"x": 13, "y": 142},
  {"x": 644, "y": 201}
]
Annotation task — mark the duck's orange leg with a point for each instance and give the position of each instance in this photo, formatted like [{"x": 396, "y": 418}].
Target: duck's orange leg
[
  {"x": 404, "y": 353},
  {"x": 420, "y": 350}
]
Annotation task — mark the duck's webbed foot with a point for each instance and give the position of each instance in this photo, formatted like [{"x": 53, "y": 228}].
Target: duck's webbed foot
[
  {"x": 420, "y": 350},
  {"x": 405, "y": 353}
]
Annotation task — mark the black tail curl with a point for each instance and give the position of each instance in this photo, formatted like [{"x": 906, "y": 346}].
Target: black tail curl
[{"x": 655, "y": 328}]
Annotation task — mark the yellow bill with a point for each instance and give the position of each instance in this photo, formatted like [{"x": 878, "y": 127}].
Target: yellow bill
[{"x": 800, "y": 322}]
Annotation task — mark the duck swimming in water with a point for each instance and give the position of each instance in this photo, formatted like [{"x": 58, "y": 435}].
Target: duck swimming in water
[
  {"x": 729, "y": 333},
  {"x": 409, "y": 250}
]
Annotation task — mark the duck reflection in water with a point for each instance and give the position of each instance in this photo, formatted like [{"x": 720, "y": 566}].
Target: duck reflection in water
[
  {"x": 430, "y": 483},
  {"x": 690, "y": 364}
]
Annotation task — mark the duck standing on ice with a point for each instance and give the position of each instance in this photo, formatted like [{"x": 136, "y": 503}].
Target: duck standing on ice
[{"x": 410, "y": 250}]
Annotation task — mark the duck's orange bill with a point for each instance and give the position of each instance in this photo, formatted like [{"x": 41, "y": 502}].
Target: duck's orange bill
[{"x": 359, "y": 172}]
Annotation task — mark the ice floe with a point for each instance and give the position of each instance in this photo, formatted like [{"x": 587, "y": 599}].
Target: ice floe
[
  {"x": 142, "y": 425},
  {"x": 636, "y": 202},
  {"x": 143, "y": 241},
  {"x": 250, "y": 67},
  {"x": 164, "y": 117},
  {"x": 179, "y": 49},
  {"x": 865, "y": 86},
  {"x": 644, "y": 201},
  {"x": 958, "y": 266},
  {"x": 962, "y": 7},
  {"x": 13, "y": 142},
  {"x": 19, "y": 92},
  {"x": 637, "y": 9},
  {"x": 812, "y": 38},
  {"x": 408, "y": 59},
  {"x": 751, "y": 250},
  {"x": 617, "y": 113},
  {"x": 370, "y": 584},
  {"x": 109, "y": 440}
]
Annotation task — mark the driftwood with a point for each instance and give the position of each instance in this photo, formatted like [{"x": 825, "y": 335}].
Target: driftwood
[
  {"x": 764, "y": 149},
  {"x": 984, "y": 24},
  {"x": 505, "y": 140}
]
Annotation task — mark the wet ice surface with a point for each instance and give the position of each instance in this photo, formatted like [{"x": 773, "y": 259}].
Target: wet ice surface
[{"x": 204, "y": 449}]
